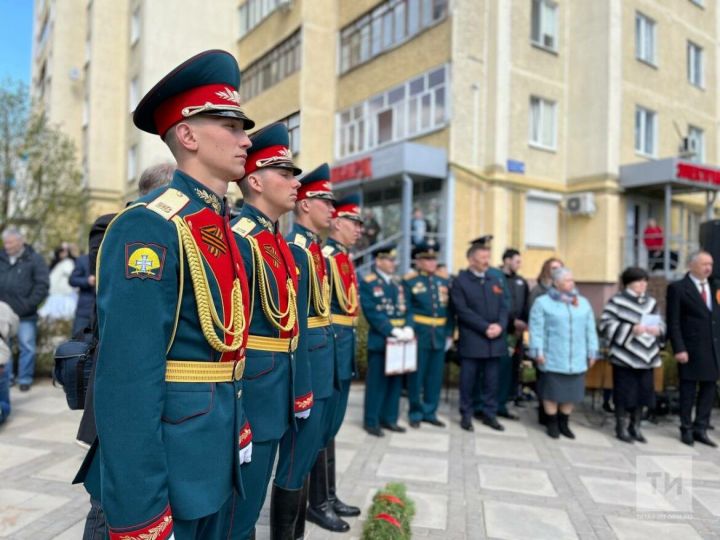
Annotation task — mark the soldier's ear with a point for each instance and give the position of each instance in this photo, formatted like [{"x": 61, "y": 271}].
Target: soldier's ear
[
  {"x": 185, "y": 136},
  {"x": 254, "y": 182}
]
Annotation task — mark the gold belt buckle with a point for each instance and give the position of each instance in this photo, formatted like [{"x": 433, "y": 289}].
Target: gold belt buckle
[
  {"x": 239, "y": 369},
  {"x": 293, "y": 343}
]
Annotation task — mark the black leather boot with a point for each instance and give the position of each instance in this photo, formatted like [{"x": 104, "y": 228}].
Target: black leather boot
[
  {"x": 542, "y": 415},
  {"x": 551, "y": 425},
  {"x": 634, "y": 427},
  {"x": 320, "y": 510},
  {"x": 341, "y": 509},
  {"x": 300, "y": 522},
  {"x": 284, "y": 505},
  {"x": 621, "y": 431},
  {"x": 563, "y": 421}
]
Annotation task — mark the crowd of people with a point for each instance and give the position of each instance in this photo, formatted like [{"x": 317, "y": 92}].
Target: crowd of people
[{"x": 225, "y": 350}]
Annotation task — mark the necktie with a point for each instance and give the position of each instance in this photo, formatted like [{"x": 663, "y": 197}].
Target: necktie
[{"x": 703, "y": 293}]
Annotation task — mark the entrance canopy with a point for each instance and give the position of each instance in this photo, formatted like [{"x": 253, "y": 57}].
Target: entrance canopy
[
  {"x": 672, "y": 176},
  {"x": 683, "y": 176},
  {"x": 405, "y": 162}
]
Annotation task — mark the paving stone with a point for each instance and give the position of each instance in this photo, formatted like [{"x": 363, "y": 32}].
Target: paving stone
[
  {"x": 18, "y": 508},
  {"x": 64, "y": 432},
  {"x": 410, "y": 467},
  {"x": 597, "y": 459},
  {"x": 662, "y": 443},
  {"x": 709, "y": 498},
  {"x": 12, "y": 456},
  {"x": 351, "y": 433},
  {"x": 636, "y": 529},
  {"x": 517, "y": 480},
  {"x": 343, "y": 459},
  {"x": 73, "y": 533},
  {"x": 516, "y": 521},
  {"x": 585, "y": 435},
  {"x": 431, "y": 510},
  {"x": 63, "y": 471},
  {"x": 506, "y": 448},
  {"x": 419, "y": 439},
  {"x": 513, "y": 428},
  {"x": 624, "y": 493}
]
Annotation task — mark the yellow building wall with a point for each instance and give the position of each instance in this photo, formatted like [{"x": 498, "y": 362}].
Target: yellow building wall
[{"x": 427, "y": 50}]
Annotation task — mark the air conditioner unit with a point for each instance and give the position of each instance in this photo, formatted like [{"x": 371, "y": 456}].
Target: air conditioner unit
[
  {"x": 688, "y": 147},
  {"x": 580, "y": 204}
]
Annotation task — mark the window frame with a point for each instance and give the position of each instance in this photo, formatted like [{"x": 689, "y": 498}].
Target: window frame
[
  {"x": 544, "y": 104},
  {"x": 695, "y": 74},
  {"x": 697, "y": 133},
  {"x": 539, "y": 10},
  {"x": 545, "y": 199},
  {"x": 642, "y": 24},
  {"x": 387, "y": 26},
  {"x": 643, "y": 128},
  {"x": 359, "y": 123}
]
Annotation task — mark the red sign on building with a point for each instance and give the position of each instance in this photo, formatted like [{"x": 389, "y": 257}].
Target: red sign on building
[
  {"x": 696, "y": 173},
  {"x": 360, "y": 169}
]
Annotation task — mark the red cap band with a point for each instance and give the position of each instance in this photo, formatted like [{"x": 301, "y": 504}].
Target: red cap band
[
  {"x": 206, "y": 98},
  {"x": 314, "y": 189},
  {"x": 271, "y": 156}
]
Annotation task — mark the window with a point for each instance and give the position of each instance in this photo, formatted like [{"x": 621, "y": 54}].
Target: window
[
  {"x": 543, "y": 30},
  {"x": 415, "y": 107},
  {"x": 699, "y": 3},
  {"x": 253, "y": 12},
  {"x": 132, "y": 163},
  {"x": 542, "y": 122},
  {"x": 696, "y": 143},
  {"x": 133, "y": 94},
  {"x": 645, "y": 131},
  {"x": 135, "y": 27},
  {"x": 644, "y": 38},
  {"x": 293, "y": 125},
  {"x": 268, "y": 70},
  {"x": 391, "y": 23},
  {"x": 695, "y": 64},
  {"x": 541, "y": 208}
]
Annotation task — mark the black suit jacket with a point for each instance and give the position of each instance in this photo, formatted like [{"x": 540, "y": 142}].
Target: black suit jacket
[
  {"x": 694, "y": 329},
  {"x": 478, "y": 303}
]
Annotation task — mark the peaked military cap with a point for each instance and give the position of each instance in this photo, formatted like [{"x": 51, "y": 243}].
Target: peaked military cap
[
  {"x": 207, "y": 83},
  {"x": 388, "y": 251},
  {"x": 426, "y": 250},
  {"x": 348, "y": 207},
  {"x": 316, "y": 184},
  {"x": 270, "y": 149},
  {"x": 482, "y": 240}
]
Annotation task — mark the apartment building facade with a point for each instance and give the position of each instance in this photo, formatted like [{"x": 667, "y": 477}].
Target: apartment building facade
[{"x": 516, "y": 118}]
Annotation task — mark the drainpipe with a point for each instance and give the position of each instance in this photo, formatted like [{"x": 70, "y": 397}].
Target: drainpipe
[
  {"x": 668, "y": 227},
  {"x": 449, "y": 220},
  {"x": 407, "y": 198}
]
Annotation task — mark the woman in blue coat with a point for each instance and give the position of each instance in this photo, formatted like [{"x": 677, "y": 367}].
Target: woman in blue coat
[{"x": 565, "y": 344}]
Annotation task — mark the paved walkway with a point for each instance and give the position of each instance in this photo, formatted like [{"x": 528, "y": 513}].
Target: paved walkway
[{"x": 515, "y": 485}]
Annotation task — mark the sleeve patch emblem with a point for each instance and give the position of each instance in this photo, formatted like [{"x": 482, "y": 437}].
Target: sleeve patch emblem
[{"x": 144, "y": 261}]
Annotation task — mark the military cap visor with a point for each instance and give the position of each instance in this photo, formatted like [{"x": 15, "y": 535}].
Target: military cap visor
[
  {"x": 482, "y": 240},
  {"x": 205, "y": 84},
  {"x": 385, "y": 252},
  {"x": 425, "y": 251}
]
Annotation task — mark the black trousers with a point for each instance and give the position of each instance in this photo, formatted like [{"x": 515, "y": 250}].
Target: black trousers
[
  {"x": 489, "y": 368},
  {"x": 704, "y": 392}
]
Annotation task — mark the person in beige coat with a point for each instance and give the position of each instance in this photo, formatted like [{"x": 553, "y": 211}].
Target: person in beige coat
[{"x": 9, "y": 323}]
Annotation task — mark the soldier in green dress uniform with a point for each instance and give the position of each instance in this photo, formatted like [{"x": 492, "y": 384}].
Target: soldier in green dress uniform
[
  {"x": 277, "y": 383},
  {"x": 173, "y": 307}
]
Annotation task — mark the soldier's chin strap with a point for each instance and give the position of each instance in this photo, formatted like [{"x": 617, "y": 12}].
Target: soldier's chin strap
[{"x": 207, "y": 312}]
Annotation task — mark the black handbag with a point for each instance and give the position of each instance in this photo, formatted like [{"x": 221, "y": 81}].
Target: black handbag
[{"x": 73, "y": 365}]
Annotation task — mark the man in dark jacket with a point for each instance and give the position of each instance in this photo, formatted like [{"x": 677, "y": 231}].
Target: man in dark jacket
[
  {"x": 693, "y": 323},
  {"x": 24, "y": 284},
  {"x": 85, "y": 282},
  {"x": 518, "y": 291},
  {"x": 478, "y": 299}
]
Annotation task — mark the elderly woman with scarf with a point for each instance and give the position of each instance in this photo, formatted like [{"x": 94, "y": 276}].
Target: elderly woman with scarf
[
  {"x": 631, "y": 324},
  {"x": 564, "y": 343}
]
